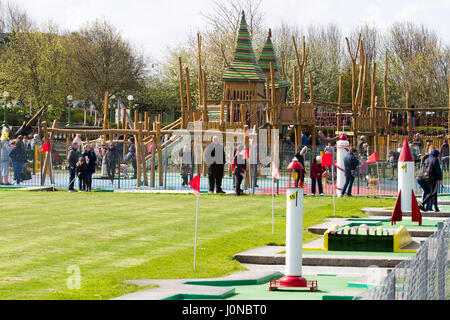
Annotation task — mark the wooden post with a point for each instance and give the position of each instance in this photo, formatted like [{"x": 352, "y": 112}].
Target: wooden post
[
  {"x": 294, "y": 84},
  {"x": 46, "y": 139},
  {"x": 200, "y": 81},
  {"x": 124, "y": 118},
  {"x": 363, "y": 89},
  {"x": 222, "y": 113},
  {"x": 353, "y": 60},
  {"x": 48, "y": 160},
  {"x": 138, "y": 152},
  {"x": 160, "y": 162},
  {"x": 275, "y": 118},
  {"x": 340, "y": 96},
  {"x": 183, "y": 115},
  {"x": 143, "y": 154},
  {"x": 152, "y": 163},
  {"x": 386, "y": 118},
  {"x": 188, "y": 96},
  {"x": 231, "y": 112},
  {"x": 105, "y": 113},
  {"x": 246, "y": 183},
  {"x": 373, "y": 104},
  {"x": 146, "y": 126},
  {"x": 408, "y": 112},
  {"x": 362, "y": 64},
  {"x": 205, "y": 104},
  {"x": 242, "y": 112}
]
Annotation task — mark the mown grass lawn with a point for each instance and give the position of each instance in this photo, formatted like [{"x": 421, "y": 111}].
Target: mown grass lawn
[{"x": 113, "y": 237}]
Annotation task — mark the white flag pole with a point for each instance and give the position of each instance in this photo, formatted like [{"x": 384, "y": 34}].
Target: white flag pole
[
  {"x": 273, "y": 205},
  {"x": 195, "y": 241}
]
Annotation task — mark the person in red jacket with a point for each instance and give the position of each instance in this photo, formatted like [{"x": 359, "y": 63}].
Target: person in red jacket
[{"x": 316, "y": 174}]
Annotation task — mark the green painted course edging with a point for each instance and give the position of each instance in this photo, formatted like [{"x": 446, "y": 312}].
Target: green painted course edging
[
  {"x": 240, "y": 282},
  {"x": 186, "y": 296}
]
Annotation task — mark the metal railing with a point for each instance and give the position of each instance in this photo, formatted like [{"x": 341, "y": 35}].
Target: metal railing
[
  {"x": 422, "y": 277},
  {"x": 385, "y": 174}
]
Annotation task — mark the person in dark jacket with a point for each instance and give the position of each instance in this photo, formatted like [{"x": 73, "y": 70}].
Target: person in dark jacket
[
  {"x": 444, "y": 154},
  {"x": 424, "y": 183},
  {"x": 18, "y": 158},
  {"x": 111, "y": 158},
  {"x": 239, "y": 169},
  {"x": 350, "y": 168},
  {"x": 288, "y": 150},
  {"x": 90, "y": 159},
  {"x": 215, "y": 159},
  {"x": 300, "y": 156},
  {"x": 434, "y": 181},
  {"x": 72, "y": 158},
  {"x": 316, "y": 174},
  {"x": 81, "y": 172},
  {"x": 393, "y": 160}
]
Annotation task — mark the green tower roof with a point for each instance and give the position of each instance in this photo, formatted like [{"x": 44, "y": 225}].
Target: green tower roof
[
  {"x": 244, "y": 66},
  {"x": 267, "y": 56}
]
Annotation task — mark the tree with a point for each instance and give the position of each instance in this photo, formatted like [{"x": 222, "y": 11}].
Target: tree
[
  {"x": 418, "y": 63},
  {"x": 12, "y": 17},
  {"x": 33, "y": 68},
  {"x": 324, "y": 60},
  {"x": 102, "y": 61}
]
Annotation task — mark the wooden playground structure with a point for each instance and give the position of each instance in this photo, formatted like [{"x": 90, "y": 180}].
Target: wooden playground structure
[{"x": 255, "y": 97}]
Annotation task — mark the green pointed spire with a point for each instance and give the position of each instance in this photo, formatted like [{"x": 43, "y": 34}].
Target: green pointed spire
[
  {"x": 267, "y": 56},
  {"x": 244, "y": 66}
]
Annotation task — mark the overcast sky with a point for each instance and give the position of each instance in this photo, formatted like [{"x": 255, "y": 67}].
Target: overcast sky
[{"x": 152, "y": 25}]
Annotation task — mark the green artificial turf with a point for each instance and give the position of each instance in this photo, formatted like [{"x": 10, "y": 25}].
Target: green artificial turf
[
  {"x": 325, "y": 284},
  {"x": 112, "y": 237}
]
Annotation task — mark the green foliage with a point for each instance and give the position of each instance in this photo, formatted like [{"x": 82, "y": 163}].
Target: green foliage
[{"x": 32, "y": 67}]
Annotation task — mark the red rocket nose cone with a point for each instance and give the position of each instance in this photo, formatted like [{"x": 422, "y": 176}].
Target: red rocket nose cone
[
  {"x": 343, "y": 137},
  {"x": 406, "y": 154},
  {"x": 295, "y": 165}
]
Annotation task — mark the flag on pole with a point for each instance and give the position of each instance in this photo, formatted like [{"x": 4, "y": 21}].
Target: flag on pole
[
  {"x": 195, "y": 185},
  {"x": 327, "y": 159},
  {"x": 45, "y": 147},
  {"x": 246, "y": 154},
  {"x": 275, "y": 172},
  {"x": 373, "y": 158}
]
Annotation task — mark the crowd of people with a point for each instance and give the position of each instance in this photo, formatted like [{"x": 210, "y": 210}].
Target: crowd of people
[{"x": 15, "y": 153}]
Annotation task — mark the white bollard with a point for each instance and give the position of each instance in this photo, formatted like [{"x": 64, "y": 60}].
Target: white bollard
[
  {"x": 294, "y": 231},
  {"x": 342, "y": 150}
]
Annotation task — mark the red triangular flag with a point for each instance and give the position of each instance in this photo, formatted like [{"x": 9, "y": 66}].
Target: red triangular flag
[
  {"x": 275, "y": 172},
  {"x": 397, "y": 213},
  {"x": 45, "y": 147},
  {"x": 416, "y": 216},
  {"x": 373, "y": 158},
  {"x": 195, "y": 184},
  {"x": 327, "y": 159}
]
